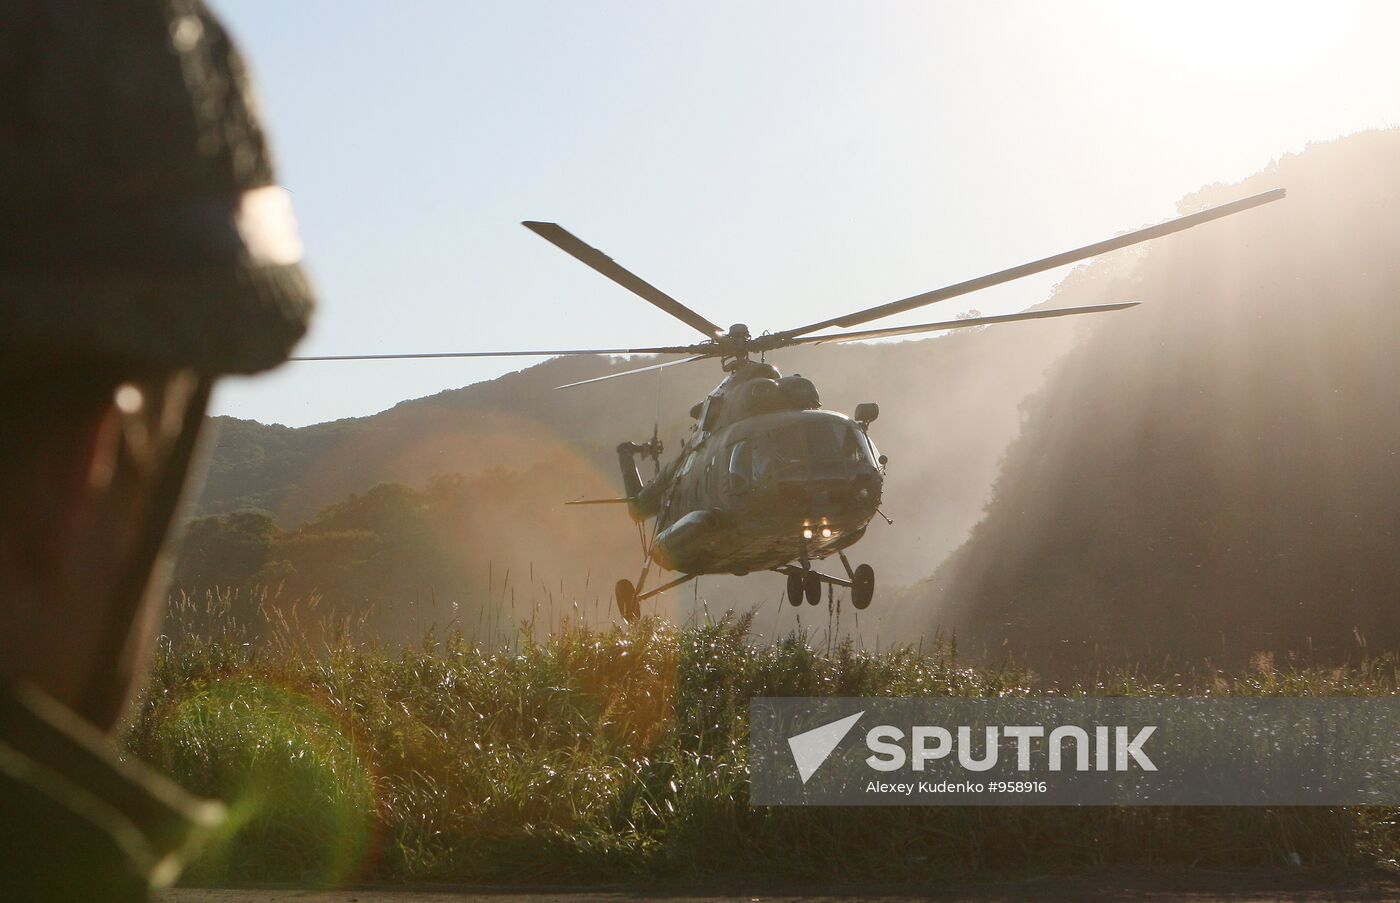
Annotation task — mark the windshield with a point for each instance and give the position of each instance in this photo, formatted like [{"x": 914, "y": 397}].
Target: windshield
[{"x": 809, "y": 442}]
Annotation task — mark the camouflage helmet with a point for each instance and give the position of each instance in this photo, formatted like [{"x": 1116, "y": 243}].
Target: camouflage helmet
[{"x": 140, "y": 221}]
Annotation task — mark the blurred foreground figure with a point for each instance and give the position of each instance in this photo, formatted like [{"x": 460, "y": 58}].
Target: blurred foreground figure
[{"x": 144, "y": 251}]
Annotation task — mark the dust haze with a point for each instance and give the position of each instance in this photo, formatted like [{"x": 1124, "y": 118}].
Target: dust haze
[
  {"x": 1211, "y": 473},
  {"x": 1216, "y": 475},
  {"x": 277, "y": 510}
]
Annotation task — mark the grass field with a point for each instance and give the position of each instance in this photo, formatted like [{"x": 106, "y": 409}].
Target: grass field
[{"x": 619, "y": 755}]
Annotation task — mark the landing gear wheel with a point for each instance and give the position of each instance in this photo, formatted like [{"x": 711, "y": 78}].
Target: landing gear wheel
[
  {"x": 796, "y": 588},
  {"x": 812, "y": 584},
  {"x": 627, "y": 604},
  {"x": 863, "y": 586}
]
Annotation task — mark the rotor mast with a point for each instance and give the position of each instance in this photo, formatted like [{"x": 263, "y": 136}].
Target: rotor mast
[{"x": 734, "y": 348}]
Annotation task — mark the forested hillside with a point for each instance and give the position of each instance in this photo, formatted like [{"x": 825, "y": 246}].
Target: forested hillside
[{"x": 1220, "y": 473}]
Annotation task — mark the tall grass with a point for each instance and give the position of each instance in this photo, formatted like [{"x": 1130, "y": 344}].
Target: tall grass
[{"x": 619, "y": 754}]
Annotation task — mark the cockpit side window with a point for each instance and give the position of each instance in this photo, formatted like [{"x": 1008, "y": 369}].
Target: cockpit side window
[
  {"x": 870, "y": 448},
  {"x": 740, "y": 466},
  {"x": 709, "y": 418},
  {"x": 858, "y": 448}
]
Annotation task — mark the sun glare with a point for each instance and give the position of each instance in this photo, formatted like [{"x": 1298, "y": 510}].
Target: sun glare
[{"x": 1207, "y": 39}]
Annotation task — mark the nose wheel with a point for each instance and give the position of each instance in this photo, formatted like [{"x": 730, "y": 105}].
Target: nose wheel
[
  {"x": 805, "y": 584},
  {"x": 796, "y": 586}
]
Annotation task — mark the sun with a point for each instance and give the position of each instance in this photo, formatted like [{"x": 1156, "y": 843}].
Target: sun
[{"x": 1204, "y": 40}]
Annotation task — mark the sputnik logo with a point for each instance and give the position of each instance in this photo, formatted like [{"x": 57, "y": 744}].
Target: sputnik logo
[{"x": 811, "y": 748}]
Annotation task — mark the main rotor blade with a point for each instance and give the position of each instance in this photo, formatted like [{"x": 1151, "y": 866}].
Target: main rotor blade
[
  {"x": 1038, "y": 266},
  {"x": 570, "y": 244},
  {"x": 861, "y": 335},
  {"x": 598, "y": 379},
  {"x": 664, "y": 349}
]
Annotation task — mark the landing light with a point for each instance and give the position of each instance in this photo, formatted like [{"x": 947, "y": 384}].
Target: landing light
[
  {"x": 806, "y": 532},
  {"x": 826, "y": 532}
]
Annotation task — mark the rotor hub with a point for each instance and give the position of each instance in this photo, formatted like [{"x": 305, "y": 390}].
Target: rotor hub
[{"x": 735, "y": 343}]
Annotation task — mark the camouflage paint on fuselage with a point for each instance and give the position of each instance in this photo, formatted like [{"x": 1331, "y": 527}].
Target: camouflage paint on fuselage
[{"x": 763, "y": 490}]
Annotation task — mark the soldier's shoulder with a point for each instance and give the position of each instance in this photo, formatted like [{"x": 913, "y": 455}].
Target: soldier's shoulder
[
  {"x": 78, "y": 823},
  {"x": 57, "y": 843}
]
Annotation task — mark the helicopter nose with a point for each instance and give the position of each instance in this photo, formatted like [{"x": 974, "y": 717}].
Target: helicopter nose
[{"x": 808, "y": 495}]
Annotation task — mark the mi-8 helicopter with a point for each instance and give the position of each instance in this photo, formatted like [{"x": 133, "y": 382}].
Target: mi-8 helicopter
[{"x": 768, "y": 480}]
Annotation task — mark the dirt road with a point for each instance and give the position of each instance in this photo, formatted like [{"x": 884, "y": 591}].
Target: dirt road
[{"x": 1195, "y": 887}]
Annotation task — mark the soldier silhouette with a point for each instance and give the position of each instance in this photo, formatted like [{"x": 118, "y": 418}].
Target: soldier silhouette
[{"x": 145, "y": 250}]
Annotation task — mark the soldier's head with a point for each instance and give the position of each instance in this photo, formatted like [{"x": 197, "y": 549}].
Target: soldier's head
[{"x": 145, "y": 250}]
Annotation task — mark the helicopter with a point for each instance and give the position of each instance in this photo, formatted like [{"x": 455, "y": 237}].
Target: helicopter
[{"x": 768, "y": 479}]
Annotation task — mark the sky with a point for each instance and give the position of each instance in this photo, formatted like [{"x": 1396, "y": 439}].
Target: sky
[{"x": 771, "y": 163}]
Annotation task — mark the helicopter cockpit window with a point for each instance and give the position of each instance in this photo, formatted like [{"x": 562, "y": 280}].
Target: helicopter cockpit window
[
  {"x": 811, "y": 442},
  {"x": 709, "y": 418},
  {"x": 865, "y": 450},
  {"x": 741, "y": 466},
  {"x": 870, "y": 448}
]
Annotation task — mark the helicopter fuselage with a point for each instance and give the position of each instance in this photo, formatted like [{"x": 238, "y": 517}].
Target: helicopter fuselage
[
  {"x": 767, "y": 491},
  {"x": 766, "y": 479}
]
